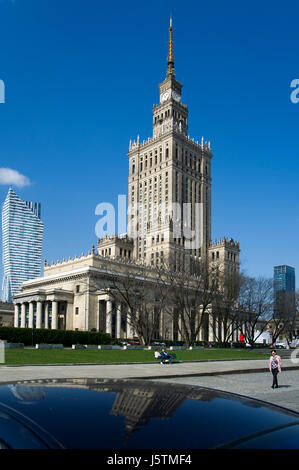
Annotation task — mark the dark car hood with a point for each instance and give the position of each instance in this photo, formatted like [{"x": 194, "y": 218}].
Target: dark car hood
[{"x": 136, "y": 414}]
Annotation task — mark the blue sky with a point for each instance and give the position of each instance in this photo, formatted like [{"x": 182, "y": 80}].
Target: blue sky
[{"x": 81, "y": 78}]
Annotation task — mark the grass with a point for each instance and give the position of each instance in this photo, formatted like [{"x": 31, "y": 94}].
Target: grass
[{"x": 69, "y": 356}]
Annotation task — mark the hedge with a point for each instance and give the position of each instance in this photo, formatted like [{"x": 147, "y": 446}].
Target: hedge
[{"x": 65, "y": 337}]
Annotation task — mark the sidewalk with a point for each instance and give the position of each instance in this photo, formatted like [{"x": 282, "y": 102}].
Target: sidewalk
[{"x": 137, "y": 371}]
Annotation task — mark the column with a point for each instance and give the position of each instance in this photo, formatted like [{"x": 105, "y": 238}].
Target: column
[
  {"x": 130, "y": 332},
  {"x": 54, "y": 314},
  {"x": 179, "y": 329},
  {"x": 16, "y": 318},
  {"x": 98, "y": 315},
  {"x": 229, "y": 333},
  {"x": 171, "y": 326},
  {"x": 211, "y": 327},
  {"x": 69, "y": 315},
  {"x": 161, "y": 325},
  {"x": 118, "y": 321},
  {"x": 38, "y": 314},
  {"x": 23, "y": 315},
  {"x": 30, "y": 322},
  {"x": 202, "y": 331},
  {"x": 109, "y": 317},
  {"x": 219, "y": 330},
  {"x": 47, "y": 315}
]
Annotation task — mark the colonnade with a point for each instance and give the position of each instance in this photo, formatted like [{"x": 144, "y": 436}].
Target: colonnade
[
  {"x": 120, "y": 315},
  {"x": 41, "y": 313},
  {"x": 46, "y": 314}
]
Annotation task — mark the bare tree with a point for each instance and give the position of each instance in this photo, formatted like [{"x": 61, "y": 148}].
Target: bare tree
[
  {"x": 255, "y": 310},
  {"x": 190, "y": 299},
  {"x": 225, "y": 319},
  {"x": 284, "y": 315},
  {"x": 144, "y": 300}
]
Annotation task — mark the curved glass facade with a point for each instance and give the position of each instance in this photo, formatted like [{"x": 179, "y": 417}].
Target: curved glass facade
[{"x": 22, "y": 236}]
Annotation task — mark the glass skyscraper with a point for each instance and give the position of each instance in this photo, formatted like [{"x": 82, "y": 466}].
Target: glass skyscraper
[
  {"x": 22, "y": 236},
  {"x": 284, "y": 290},
  {"x": 284, "y": 279}
]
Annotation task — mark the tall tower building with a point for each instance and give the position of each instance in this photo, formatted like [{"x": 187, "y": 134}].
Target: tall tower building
[
  {"x": 170, "y": 183},
  {"x": 284, "y": 278},
  {"x": 284, "y": 288},
  {"x": 22, "y": 235}
]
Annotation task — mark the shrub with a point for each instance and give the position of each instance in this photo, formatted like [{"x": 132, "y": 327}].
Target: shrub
[
  {"x": 201, "y": 343},
  {"x": 239, "y": 345},
  {"x": 65, "y": 337}
]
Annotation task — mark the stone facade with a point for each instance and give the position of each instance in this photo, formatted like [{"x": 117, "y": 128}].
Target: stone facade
[
  {"x": 77, "y": 295},
  {"x": 165, "y": 172},
  {"x": 6, "y": 314}
]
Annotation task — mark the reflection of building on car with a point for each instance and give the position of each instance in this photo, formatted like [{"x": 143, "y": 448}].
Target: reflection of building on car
[{"x": 143, "y": 409}]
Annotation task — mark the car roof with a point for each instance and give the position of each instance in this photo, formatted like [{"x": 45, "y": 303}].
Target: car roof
[{"x": 134, "y": 413}]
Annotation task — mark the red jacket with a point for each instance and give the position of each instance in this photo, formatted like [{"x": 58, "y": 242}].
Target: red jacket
[{"x": 279, "y": 363}]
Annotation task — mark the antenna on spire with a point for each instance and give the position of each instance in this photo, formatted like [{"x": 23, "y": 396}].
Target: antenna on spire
[{"x": 170, "y": 59}]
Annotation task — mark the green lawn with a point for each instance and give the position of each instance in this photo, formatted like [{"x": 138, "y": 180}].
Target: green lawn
[{"x": 68, "y": 356}]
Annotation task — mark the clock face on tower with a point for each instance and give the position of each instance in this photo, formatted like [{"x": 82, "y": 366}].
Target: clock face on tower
[
  {"x": 175, "y": 96},
  {"x": 165, "y": 96}
]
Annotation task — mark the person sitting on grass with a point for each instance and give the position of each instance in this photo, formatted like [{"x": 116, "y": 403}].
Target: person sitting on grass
[
  {"x": 158, "y": 355},
  {"x": 166, "y": 356}
]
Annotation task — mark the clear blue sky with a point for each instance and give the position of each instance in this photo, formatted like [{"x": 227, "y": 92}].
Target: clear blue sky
[{"x": 81, "y": 78}]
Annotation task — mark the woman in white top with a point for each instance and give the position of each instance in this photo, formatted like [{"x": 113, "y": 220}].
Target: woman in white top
[{"x": 275, "y": 367}]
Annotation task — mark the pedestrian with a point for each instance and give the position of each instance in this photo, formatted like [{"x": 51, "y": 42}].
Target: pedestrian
[{"x": 275, "y": 367}]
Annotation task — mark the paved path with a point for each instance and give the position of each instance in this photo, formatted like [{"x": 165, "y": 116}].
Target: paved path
[
  {"x": 149, "y": 371},
  {"x": 255, "y": 385}
]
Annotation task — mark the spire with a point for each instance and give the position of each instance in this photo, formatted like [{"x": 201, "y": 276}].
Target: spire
[{"x": 170, "y": 59}]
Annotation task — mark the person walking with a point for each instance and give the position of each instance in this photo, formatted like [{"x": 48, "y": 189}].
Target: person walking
[{"x": 275, "y": 367}]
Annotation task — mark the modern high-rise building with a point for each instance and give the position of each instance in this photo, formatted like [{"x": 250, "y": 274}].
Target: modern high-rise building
[
  {"x": 284, "y": 290},
  {"x": 22, "y": 236},
  {"x": 284, "y": 278}
]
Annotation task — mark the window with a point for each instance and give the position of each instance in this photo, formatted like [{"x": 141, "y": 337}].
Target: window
[
  {"x": 77, "y": 310},
  {"x": 77, "y": 289}
]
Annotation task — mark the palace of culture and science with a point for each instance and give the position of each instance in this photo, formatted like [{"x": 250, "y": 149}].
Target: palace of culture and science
[{"x": 167, "y": 172}]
